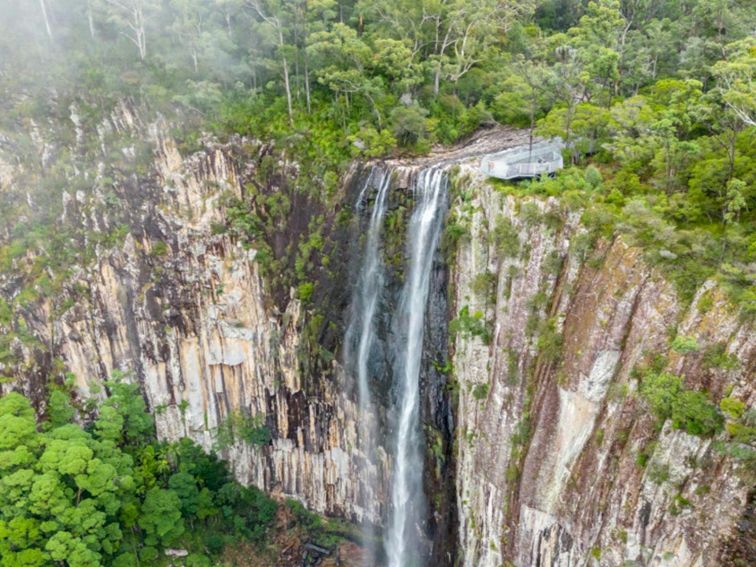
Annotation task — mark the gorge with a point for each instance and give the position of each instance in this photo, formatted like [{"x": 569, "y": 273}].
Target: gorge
[
  {"x": 485, "y": 402},
  {"x": 377, "y": 283}
]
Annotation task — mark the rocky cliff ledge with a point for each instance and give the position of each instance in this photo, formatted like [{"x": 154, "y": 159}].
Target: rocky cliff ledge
[{"x": 180, "y": 305}]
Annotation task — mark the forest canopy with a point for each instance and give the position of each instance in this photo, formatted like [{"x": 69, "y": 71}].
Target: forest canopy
[{"x": 108, "y": 493}]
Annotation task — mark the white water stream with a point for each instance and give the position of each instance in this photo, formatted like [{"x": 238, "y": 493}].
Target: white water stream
[
  {"x": 407, "y": 499},
  {"x": 369, "y": 288},
  {"x": 361, "y": 337},
  {"x": 406, "y": 510}
]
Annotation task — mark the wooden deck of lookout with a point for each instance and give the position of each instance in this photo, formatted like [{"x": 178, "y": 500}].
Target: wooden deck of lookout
[{"x": 542, "y": 158}]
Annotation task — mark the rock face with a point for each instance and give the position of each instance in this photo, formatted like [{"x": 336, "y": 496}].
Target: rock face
[
  {"x": 183, "y": 309},
  {"x": 549, "y": 423},
  {"x": 540, "y": 441}
]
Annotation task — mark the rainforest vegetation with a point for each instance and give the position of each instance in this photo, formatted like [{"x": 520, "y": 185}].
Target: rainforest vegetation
[
  {"x": 654, "y": 100},
  {"x": 109, "y": 494}
]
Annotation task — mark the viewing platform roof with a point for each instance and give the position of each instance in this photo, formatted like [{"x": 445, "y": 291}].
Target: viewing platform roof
[{"x": 542, "y": 158}]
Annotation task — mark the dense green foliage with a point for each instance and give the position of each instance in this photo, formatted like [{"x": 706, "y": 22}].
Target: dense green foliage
[
  {"x": 467, "y": 325},
  {"x": 687, "y": 409},
  {"x": 692, "y": 411},
  {"x": 334, "y": 72},
  {"x": 687, "y": 199},
  {"x": 241, "y": 427},
  {"x": 740, "y": 424},
  {"x": 108, "y": 493}
]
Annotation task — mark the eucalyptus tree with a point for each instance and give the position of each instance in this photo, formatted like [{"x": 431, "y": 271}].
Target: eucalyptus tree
[
  {"x": 473, "y": 30},
  {"x": 529, "y": 91},
  {"x": 734, "y": 76},
  {"x": 311, "y": 17},
  {"x": 191, "y": 25},
  {"x": 277, "y": 16},
  {"x": 342, "y": 59},
  {"x": 130, "y": 17}
]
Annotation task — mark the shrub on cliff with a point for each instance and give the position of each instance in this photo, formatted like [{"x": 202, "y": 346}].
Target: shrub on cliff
[
  {"x": 468, "y": 325},
  {"x": 689, "y": 410}
]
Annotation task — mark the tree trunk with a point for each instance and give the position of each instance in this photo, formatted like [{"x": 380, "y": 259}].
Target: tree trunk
[
  {"x": 137, "y": 26},
  {"x": 90, "y": 20},
  {"x": 276, "y": 23},
  {"x": 532, "y": 127},
  {"x": 139, "y": 29},
  {"x": 307, "y": 82},
  {"x": 568, "y": 129},
  {"x": 47, "y": 21},
  {"x": 286, "y": 84},
  {"x": 297, "y": 79},
  {"x": 142, "y": 44}
]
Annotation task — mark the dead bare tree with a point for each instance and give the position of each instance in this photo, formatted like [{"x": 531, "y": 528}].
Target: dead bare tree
[{"x": 130, "y": 14}]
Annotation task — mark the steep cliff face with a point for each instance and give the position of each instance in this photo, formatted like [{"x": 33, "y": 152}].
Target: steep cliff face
[
  {"x": 541, "y": 436},
  {"x": 550, "y": 423},
  {"x": 181, "y": 306}
]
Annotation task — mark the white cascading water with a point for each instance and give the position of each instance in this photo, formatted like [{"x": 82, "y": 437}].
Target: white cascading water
[
  {"x": 407, "y": 499},
  {"x": 369, "y": 288},
  {"x": 360, "y": 334}
]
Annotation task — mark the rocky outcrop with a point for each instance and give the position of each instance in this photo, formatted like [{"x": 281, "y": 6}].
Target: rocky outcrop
[{"x": 551, "y": 428}]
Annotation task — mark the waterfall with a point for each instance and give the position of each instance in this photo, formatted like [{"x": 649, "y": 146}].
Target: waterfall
[
  {"x": 407, "y": 500},
  {"x": 361, "y": 336},
  {"x": 369, "y": 288},
  {"x": 403, "y": 537}
]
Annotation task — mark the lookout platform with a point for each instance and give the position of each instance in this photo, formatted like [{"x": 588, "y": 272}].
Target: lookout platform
[{"x": 542, "y": 158}]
